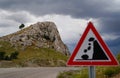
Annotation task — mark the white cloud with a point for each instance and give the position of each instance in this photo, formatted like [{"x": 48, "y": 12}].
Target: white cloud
[
  {"x": 10, "y": 21},
  {"x": 113, "y": 6},
  {"x": 110, "y": 36},
  {"x": 70, "y": 28}
]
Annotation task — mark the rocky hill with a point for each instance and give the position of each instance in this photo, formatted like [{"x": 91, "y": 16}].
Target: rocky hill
[
  {"x": 39, "y": 35},
  {"x": 37, "y": 45}
]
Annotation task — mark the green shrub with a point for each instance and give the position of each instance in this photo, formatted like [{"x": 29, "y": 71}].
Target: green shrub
[
  {"x": 74, "y": 74},
  {"x": 65, "y": 75},
  {"x": 21, "y": 26},
  {"x": 7, "y": 57},
  {"x": 11, "y": 56},
  {"x": 61, "y": 75},
  {"x": 118, "y": 58},
  {"x": 83, "y": 76},
  {"x": 14, "y": 55},
  {"x": 2, "y": 55},
  {"x": 110, "y": 71}
]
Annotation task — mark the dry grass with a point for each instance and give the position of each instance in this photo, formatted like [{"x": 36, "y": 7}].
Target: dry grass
[
  {"x": 101, "y": 72},
  {"x": 33, "y": 56}
]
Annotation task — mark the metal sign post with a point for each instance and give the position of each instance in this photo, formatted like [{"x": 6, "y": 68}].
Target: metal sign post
[
  {"x": 91, "y": 50},
  {"x": 92, "y": 72}
]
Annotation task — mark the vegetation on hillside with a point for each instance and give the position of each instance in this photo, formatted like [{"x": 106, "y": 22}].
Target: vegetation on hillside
[
  {"x": 30, "y": 56},
  {"x": 11, "y": 56},
  {"x": 40, "y": 57},
  {"x": 101, "y": 72},
  {"x": 21, "y": 26}
]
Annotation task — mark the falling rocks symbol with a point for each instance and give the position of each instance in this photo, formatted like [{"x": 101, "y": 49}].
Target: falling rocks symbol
[
  {"x": 98, "y": 53},
  {"x": 91, "y": 50}
]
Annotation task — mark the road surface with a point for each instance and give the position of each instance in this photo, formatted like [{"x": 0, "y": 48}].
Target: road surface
[{"x": 40, "y": 72}]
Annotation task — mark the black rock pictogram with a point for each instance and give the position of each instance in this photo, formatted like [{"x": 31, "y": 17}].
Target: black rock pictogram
[
  {"x": 85, "y": 50},
  {"x": 98, "y": 53},
  {"x": 89, "y": 43},
  {"x": 89, "y": 48},
  {"x": 85, "y": 57},
  {"x": 91, "y": 39}
]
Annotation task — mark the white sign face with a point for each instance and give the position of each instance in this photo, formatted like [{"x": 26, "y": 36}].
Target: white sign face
[{"x": 91, "y": 49}]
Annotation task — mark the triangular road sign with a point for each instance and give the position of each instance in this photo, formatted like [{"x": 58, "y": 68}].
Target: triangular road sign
[{"x": 91, "y": 50}]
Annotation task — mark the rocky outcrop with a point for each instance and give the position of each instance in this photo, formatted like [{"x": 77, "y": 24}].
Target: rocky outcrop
[{"x": 39, "y": 35}]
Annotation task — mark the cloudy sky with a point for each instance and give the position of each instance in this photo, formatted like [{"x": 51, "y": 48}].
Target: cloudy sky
[{"x": 70, "y": 16}]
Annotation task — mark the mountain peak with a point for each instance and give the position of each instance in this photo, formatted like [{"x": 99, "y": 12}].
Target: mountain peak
[{"x": 39, "y": 35}]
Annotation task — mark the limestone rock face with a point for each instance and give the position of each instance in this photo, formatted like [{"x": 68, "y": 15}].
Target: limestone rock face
[{"x": 40, "y": 35}]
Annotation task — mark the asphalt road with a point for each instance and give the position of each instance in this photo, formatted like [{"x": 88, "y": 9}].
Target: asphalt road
[{"x": 41, "y": 72}]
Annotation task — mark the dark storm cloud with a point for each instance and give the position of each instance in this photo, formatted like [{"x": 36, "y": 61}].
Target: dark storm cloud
[
  {"x": 107, "y": 11},
  {"x": 111, "y": 24},
  {"x": 114, "y": 45},
  {"x": 75, "y": 8},
  {"x": 100, "y": 9}
]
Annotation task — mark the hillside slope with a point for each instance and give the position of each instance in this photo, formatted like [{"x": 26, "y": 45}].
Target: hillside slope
[{"x": 38, "y": 45}]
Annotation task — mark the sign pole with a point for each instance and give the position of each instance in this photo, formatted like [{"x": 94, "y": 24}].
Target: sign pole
[
  {"x": 92, "y": 72},
  {"x": 91, "y": 51}
]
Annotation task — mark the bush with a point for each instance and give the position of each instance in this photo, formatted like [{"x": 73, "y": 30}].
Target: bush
[
  {"x": 74, "y": 74},
  {"x": 2, "y": 55},
  {"x": 118, "y": 58},
  {"x": 65, "y": 75},
  {"x": 14, "y": 55},
  {"x": 110, "y": 71},
  {"x": 21, "y": 26},
  {"x": 7, "y": 57}
]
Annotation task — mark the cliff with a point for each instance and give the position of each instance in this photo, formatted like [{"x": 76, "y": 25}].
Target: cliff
[{"x": 39, "y": 35}]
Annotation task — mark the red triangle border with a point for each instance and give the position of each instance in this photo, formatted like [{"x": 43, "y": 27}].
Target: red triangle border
[{"x": 112, "y": 61}]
